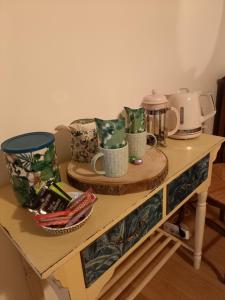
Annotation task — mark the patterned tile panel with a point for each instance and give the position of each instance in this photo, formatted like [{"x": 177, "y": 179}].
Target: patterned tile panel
[
  {"x": 107, "y": 249},
  {"x": 186, "y": 183},
  {"x": 141, "y": 220}
]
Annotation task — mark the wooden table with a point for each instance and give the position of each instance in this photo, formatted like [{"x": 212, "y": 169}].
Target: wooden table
[{"x": 122, "y": 238}]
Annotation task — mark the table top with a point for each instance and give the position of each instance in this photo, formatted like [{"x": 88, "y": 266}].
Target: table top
[{"x": 45, "y": 252}]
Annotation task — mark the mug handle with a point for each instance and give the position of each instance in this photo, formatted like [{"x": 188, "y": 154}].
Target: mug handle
[
  {"x": 213, "y": 109},
  {"x": 93, "y": 163},
  {"x": 155, "y": 139},
  {"x": 173, "y": 131}
]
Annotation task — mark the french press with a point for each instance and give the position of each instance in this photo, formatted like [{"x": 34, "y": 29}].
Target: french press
[{"x": 156, "y": 107}]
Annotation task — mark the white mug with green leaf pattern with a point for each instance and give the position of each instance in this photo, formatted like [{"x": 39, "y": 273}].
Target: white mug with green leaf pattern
[
  {"x": 137, "y": 143},
  {"x": 111, "y": 133},
  {"x": 135, "y": 119},
  {"x": 115, "y": 162}
]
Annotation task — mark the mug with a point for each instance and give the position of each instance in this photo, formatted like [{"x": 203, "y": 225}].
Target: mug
[
  {"x": 137, "y": 143},
  {"x": 84, "y": 140},
  {"x": 135, "y": 118},
  {"x": 115, "y": 162},
  {"x": 111, "y": 133}
]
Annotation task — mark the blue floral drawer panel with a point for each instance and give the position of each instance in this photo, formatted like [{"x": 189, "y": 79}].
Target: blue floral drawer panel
[
  {"x": 113, "y": 244},
  {"x": 186, "y": 183}
]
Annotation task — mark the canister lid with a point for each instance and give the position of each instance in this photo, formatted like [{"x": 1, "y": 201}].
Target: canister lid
[{"x": 27, "y": 142}]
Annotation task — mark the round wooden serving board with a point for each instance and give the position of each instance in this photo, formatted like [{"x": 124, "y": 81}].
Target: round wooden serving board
[{"x": 147, "y": 176}]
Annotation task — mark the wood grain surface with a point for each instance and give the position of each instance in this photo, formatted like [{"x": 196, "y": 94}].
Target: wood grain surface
[{"x": 147, "y": 176}]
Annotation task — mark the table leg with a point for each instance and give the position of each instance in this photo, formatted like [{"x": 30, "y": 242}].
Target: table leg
[
  {"x": 70, "y": 276},
  {"x": 199, "y": 228}
]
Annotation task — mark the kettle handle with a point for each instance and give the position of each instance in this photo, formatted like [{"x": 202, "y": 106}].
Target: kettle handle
[
  {"x": 211, "y": 114},
  {"x": 173, "y": 131}
]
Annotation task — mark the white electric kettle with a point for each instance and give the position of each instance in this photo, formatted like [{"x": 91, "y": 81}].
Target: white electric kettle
[{"x": 191, "y": 117}]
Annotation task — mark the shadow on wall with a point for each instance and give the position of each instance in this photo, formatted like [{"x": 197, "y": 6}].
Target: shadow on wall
[
  {"x": 215, "y": 68},
  {"x": 201, "y": 48},
  {"x": 197, "y": 35}
]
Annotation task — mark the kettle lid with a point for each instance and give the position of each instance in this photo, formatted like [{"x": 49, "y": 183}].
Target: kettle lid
[{"x": 154, "y": 99}]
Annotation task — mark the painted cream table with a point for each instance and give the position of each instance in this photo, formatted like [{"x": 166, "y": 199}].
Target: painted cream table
[{"x": 121, "y": 247}]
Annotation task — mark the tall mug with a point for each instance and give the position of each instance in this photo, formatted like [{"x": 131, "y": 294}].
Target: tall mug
[
  {"x": 137, "y": 143},
  {"x": 115, "y": 162}
]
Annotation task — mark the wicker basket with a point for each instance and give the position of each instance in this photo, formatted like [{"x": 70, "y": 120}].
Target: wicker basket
[{"x": 63, "y": 230}]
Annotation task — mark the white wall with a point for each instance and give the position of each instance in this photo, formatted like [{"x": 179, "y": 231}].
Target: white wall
[{"x": 63, "y": 60}]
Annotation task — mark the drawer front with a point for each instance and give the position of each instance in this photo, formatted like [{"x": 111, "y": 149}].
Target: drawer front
[
  {"x": 107, "y": 249},
  {"x": 186, "y": 183}
]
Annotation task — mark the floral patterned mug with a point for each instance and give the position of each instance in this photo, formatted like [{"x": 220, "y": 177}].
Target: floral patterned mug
[{"x": 84, "y": 143}]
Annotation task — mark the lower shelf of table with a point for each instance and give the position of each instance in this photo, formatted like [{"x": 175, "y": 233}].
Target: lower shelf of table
[{"x": 140, "y": 267}]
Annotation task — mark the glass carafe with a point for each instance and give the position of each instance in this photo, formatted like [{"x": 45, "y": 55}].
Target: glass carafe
[{"x": 156, "y": 107}]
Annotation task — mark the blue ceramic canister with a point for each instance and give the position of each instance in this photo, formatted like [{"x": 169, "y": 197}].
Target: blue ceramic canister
[{"x": 31, "y": 161}]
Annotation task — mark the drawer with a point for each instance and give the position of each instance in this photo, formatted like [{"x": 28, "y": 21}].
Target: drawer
[
  {"x": 141, "y": 220},
  {"x": 113, "y": 244},
  {"x": 186, "y": 183}
]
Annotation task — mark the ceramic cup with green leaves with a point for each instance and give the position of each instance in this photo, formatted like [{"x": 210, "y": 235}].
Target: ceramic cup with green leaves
[
  {"x": 135, "y": 119},
  {"x": 114, "y": 162},
  {"x": 136, "y": 133},
  {"x": 111, "y": 133},
  {"x": 137, "y": 143}
]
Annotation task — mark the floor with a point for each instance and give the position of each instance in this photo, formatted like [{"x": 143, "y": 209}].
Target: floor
[{"x": 177, "y": 280}]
